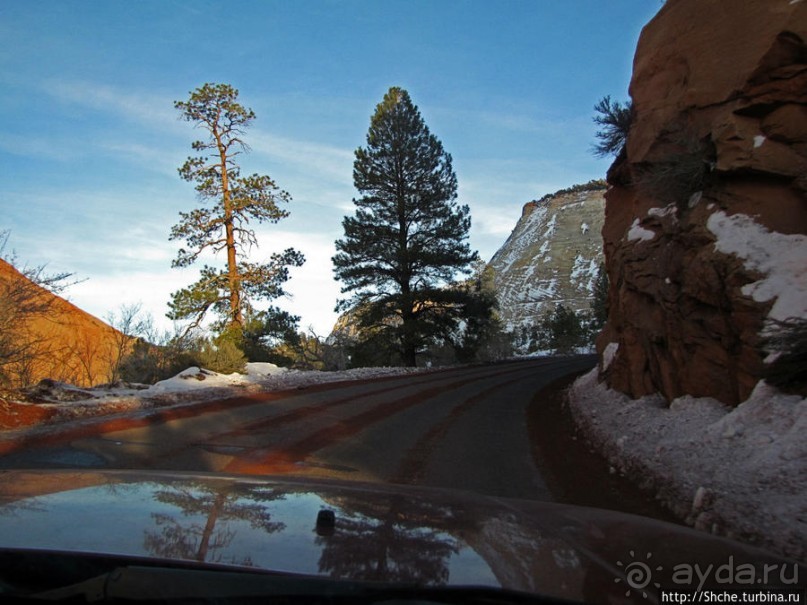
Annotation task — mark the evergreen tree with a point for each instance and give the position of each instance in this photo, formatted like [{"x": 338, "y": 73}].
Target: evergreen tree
[
  {"x": 482, "y": 337},
  {"x": 408, "y": 237},
  {"x": 235, "y": 201},
  {"x": 563, "y": 331}
]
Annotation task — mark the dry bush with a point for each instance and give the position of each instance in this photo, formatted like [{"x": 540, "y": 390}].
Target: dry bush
[{"x": 677, "y": 176}]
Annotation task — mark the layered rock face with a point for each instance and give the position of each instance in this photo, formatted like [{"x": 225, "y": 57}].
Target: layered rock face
[
  {"x": 706, "y": 218},
  {"x": 552, "y": 257}
]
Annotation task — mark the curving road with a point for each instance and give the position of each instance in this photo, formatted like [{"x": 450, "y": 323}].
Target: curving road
[{"x": 460, "y": 428}]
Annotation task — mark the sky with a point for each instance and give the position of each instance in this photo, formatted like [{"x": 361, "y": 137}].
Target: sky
[{"x": 90, "y": 141}]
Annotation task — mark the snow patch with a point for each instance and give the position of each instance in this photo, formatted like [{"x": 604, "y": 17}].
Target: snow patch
[
  {"x": 758, "y": 140},
  {"x": 551, "y": 226},
  {"x": 542, "y": 290},
  {"x": 584, "y": 273},
  {"x": 192, "y": 385},
  {"x": 608, "y": 354},
  {"x": 637, "y": 232},
  {"x": 195, "y": 378},
  {"x": 781, "y": 258},
  {"x": 669, "y": 210}
]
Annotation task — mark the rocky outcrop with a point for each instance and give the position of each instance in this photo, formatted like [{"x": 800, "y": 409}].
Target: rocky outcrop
[
  {"x": 45, "y": 336},
  {"x": 552, "y": 256},
  {"x": 706, "y": 218}
]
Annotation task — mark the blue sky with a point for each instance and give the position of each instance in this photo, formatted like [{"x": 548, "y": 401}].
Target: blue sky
[{"x": 90, "y": 142}]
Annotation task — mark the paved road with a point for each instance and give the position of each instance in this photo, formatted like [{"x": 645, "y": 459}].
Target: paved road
[{"x": 460, "y": 428}]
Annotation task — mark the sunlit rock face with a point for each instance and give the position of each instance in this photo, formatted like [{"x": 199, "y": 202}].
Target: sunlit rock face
[
  {"x": 706, "y": 218},
  {"x": 53, "y": 338},
  {"x": 552, "y": 257}
]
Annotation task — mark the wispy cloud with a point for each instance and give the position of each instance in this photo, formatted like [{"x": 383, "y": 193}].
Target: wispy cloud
[
  {"x": 317, "y": 159},
  {"x": 57, "y": 149},
  {"x": 152, "y": 157},
  {"x": 151, "y": 108}
]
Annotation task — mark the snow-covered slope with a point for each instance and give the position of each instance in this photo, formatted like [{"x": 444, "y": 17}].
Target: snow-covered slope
[{"x": 551, "y": 257}]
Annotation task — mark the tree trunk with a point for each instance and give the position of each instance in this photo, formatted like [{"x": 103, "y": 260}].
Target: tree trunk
[
  {"x": 408, "y": 342},
  {"x": 236, "y": 317}
]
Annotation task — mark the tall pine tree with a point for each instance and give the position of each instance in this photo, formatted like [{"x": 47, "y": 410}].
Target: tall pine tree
[
  {"x": 408, "y": 238},
  {"x": 224, "y": 224}
]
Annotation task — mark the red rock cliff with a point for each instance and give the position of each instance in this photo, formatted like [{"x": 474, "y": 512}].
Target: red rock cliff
[
  {"x": 708, "y": 202},
  {"x": 58, "y": 340}
]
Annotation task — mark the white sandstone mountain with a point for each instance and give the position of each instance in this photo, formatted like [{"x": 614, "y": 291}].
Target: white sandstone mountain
[{"x": 552, "y": 256}]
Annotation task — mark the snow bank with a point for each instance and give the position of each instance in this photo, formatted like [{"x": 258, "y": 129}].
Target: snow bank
[
  {"x": 741, "y": 473},
  {"x": 190, "y": 386}
]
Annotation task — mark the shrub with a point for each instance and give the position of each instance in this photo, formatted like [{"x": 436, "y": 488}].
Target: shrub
[
  {"x": 149, "y": 363},
  {"x": 681, "y": 173},
  {"x": 789, "y": 339},
  {"x": 222, "y": 356},
  {"x": 614, "y": 120},
  {"x": 592, "y": 185}
]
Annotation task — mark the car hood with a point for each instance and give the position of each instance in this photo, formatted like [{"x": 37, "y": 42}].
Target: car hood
[{"x": 384, "y": 533}]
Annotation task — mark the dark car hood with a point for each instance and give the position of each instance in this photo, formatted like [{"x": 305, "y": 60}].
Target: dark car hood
[{"x": 420, "y": 536}]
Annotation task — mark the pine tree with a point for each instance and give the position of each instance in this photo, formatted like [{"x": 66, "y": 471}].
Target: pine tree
[
  {"x": 408, "y": 237},
  {"x": 224, "y": 225},
  {"x": 564, "y": 330}
]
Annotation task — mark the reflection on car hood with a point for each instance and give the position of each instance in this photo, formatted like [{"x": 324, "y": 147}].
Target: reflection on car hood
[{"x": 383, "y": 533}]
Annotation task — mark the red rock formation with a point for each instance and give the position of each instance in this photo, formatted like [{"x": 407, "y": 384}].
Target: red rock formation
[
  {"x": 719, "y": 91},
  {"x": 61, "y": 341}
]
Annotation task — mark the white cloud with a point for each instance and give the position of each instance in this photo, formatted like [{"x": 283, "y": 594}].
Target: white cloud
[
  {"x": 313, "y": 291},
  {"x": 104, "y": 294}
]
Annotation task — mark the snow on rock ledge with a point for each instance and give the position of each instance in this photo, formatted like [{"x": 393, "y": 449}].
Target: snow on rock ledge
[
  {"x": 738, "y": 472},
  {"x": 781, "y": 258}
]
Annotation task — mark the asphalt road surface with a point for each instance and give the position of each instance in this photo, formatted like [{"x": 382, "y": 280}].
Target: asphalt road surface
[{"x": 462, "y": 428}]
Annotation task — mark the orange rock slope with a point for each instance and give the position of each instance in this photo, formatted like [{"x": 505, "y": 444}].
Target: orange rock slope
[
  {"x": 719, "y": 90},
  {"x": 61, "y": 342}
]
